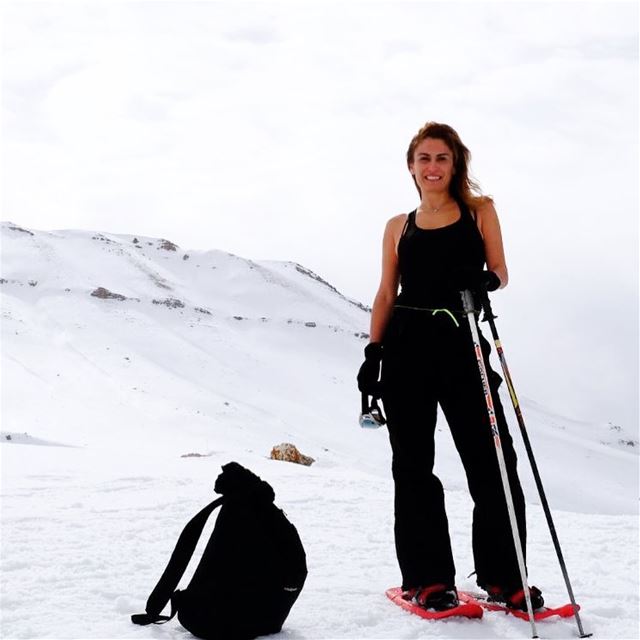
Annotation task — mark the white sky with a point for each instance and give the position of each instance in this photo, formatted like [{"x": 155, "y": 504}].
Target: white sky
[{"x": 278, "y": 130}]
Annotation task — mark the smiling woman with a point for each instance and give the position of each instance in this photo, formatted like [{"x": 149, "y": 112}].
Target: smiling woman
[
  {"x": 451, "y": 157},
  {"x": 428, "y": 359},
  {"x": 439, "y": 164},
  {"x": 450, "y": 201}
]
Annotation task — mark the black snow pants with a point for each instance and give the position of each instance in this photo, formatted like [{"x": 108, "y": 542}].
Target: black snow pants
[{"x": 427, "y": 361}]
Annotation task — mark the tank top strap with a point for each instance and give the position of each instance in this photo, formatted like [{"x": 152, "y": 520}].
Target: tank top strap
[
  {"x": 410, "y": 222},
  {"x": 465, "y": 212}
]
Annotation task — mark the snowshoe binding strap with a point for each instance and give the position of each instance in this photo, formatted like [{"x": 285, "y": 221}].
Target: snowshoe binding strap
[
  {"x": 515, "y": 599},
  {"x": 437, "y": 596}
]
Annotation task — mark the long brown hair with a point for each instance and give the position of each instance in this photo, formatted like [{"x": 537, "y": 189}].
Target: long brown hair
[{"x": 462, "y": 186}]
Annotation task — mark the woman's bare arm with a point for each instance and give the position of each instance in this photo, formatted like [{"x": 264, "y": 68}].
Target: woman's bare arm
[
  {"x": 388, "y": 289},
  {"x": 489, "y": 226}
]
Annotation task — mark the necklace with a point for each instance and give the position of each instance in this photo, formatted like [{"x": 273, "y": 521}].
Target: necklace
[{"x": 435, "y": 209}]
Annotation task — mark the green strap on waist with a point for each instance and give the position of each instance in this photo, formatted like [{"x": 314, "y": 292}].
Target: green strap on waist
[
  {"x": 449, "y": 314},
  {"x": 433, "y": 311}
]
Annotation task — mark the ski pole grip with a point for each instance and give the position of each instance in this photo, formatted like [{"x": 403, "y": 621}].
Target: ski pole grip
[{"x": 467, "y": 301}]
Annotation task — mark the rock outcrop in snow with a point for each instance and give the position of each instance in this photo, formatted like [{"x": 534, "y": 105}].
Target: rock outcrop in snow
[{"x": 288, "y": 452}]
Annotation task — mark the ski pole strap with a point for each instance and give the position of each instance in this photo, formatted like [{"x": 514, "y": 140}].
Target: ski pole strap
[{"x": 165, "y": 590}]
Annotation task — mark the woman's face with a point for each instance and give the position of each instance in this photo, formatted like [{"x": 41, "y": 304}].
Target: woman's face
[{"x": 432, "y": 166}]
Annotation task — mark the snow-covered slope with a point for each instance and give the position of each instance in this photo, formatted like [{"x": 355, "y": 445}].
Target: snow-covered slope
[
  {"x": 196, "y": 346},
  {"x": 124, "y": 353}
]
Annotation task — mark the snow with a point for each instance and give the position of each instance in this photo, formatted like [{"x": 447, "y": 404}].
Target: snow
[{"x": 102, "y": 397}]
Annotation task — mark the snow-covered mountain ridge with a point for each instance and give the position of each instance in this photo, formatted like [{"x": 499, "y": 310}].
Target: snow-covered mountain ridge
[
  {"x": 156, "y": 270},
  {"x": 137, "y": 313},
  {"x": 209, "y": 353}
]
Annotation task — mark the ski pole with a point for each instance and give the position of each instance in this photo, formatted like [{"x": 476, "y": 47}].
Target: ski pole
[
  {"x": 467, "y": 302},
  {"x": 490, "y": 317}
]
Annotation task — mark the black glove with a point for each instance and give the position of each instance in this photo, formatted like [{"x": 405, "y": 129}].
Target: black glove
[
  {"x": 369, "y": 374},
  {"x": 474, "y": 279}
]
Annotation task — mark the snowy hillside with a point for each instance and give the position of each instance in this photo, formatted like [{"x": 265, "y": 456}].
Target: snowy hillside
[
  {"x": 205, "y": 339},
  {"x": 124, "y": 353}
]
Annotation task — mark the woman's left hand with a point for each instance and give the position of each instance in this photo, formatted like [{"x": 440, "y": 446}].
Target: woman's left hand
[{"x": 475, "y": 279}]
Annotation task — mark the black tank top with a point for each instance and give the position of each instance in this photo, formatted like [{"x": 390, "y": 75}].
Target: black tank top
[{"x": 428, "y": 257}]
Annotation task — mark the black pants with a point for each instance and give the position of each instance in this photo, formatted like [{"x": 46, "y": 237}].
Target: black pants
[{"x": 429, "y": 361}]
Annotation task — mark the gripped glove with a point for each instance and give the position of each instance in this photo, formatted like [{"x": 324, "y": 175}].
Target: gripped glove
[
  {"x": 369, "y": 374},
  {"x": 474, "y": 279}
]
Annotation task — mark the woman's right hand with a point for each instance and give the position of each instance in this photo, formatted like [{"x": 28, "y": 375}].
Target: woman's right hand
[{"x": 369, "y": 374}]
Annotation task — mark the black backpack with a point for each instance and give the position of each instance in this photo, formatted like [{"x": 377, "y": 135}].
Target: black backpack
[{"x": 251, "y": 572}]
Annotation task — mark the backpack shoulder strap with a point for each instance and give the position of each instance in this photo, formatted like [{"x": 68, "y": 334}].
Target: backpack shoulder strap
[{"x": 170, "y": 578}]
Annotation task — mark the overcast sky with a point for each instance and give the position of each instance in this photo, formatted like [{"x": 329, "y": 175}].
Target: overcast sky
[{"x": 278, "y": 130}]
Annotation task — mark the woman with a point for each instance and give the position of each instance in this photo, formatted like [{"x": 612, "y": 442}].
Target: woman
[{"x": 424, "y": 345}]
